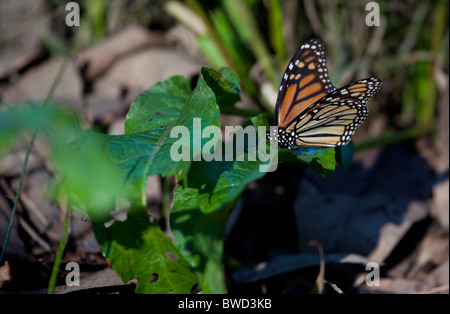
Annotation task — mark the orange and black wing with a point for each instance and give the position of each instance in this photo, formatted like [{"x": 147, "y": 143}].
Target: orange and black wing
[
  {"x": 332, "y": 120},
  {"x": 304, "y": 82}
]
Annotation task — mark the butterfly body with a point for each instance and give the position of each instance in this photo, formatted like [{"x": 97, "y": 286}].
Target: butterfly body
[{"x": 310, "y": 111}]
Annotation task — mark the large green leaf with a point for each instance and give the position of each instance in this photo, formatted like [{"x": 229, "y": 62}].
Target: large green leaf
[
  {"x": 225, "y": 85},
  {"x": 320, "y": 159},
  {"x": 204, "y": 206},
  {"x": 158, "y": 106},
  {"x": 204, "y": 203},
  {"x": 140, "y": 250},
  {"x": 148, "y": 152}
]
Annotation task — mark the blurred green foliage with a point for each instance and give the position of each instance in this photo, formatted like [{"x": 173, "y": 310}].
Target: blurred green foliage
[{"x": 76, "y": 156}]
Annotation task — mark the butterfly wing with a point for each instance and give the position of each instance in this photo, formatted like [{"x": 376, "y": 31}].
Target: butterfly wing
[
  {"x": 304, "y": 82},
  {"x": 332, "y": 120}
]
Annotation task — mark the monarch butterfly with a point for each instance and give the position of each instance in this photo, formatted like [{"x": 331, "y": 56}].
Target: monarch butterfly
[{"x": 310, "y": 111}]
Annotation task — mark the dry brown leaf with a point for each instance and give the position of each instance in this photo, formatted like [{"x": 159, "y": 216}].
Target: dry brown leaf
[
  {"x": 97, "y": 59},
  {"x": 440, "y": 206},
  {"x": 100, "y": 279},
  {"x": 20, "y": 44},
  {"x": 35, "y": 84}
]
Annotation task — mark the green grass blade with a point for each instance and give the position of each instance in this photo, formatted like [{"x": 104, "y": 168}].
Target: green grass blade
[
  {"x": 16, "y": 200},
  {"x": 59, "y": 254},
  {"x": 276, "y": 29},
  {"x": 247, "y": 29}
]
